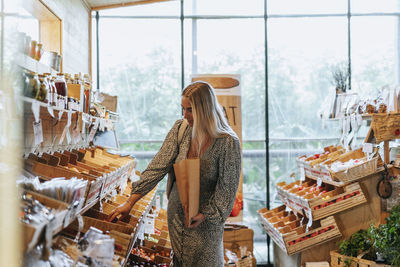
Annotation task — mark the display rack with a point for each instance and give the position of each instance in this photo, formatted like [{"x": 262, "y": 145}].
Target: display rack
[{"x": 350, "y": 204}]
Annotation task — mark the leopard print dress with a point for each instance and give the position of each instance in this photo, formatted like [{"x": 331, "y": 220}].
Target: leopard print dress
[{"x": 220, "y": 167}]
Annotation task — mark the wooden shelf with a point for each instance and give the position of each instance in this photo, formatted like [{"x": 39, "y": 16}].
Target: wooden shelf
[{"x": 31, "y": 64}]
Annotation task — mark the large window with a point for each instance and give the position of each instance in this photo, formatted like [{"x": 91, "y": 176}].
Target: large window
[{"x": 285, "y": 59}]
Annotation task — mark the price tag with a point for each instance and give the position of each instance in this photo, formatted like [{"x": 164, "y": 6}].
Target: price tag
[
  {"x": 38, "y": 132},
  {"x": 149, "y": 224},
  {"x": 102, "y": 125},
  {"x": 64, "y": 133},
  {"x": 93, "y": 130},
  {"x": 310, "y": 220},
  {"x": 319, "y": 182},
  {"x": 367, "y": 148},
  {"x": 69, "y": 118},
  {"x": 36, "y": 110},
  {"x": 50, "y": 110},
  {"x": 68, "y": 135},
  {"x": 60, "y": 113},
  {"x": 347, "y": 126},
  {"x": 80, "y": 227},
  {"x": 353, "y": 121},
  {"x": 76, "y": 136},
  {"x": 302, "y": 174},
  {"x": 158, "y": 205}
]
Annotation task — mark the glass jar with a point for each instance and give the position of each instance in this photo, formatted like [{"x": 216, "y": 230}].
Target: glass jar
[
  {"x": 43, "y": 89},
  {"x": 32, "y": 53},
  {"x": 32, "y": 84},
  {"x": 62, "y": 91},
  {"x": 39, "y": 51}
]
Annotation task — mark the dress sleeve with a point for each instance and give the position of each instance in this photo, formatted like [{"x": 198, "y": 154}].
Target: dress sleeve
[
  {"x": 160, "y": 165},
  {"x": 221, "y": 202}
]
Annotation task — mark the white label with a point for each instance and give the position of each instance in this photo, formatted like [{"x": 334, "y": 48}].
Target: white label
[
  {"x": 319, "y": 181},
  {"x": 68, "y": 135},
  {"x": 69, "y": 118},
  {"x": 353, "y": 121},
  {"x": 310, "y": 220},
  {"x": 93, "y": 130},
  {"x": 367, "y": 148},
  {"x": 64, "y": 133},
  {"x": 102, "y": 125},
  {"x": 36, "y": 110},
  {"x": 50, "y": 110},
  {"x": 347, "y": 127},
  {"x": 76, "y": 135},
  {"x": 302, "y": 174},
  {"x": 60, "y": 113},
  {"x": 38, "y": 132}
]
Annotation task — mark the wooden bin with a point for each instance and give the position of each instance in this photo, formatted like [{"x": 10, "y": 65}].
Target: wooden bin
[
  {"x": 290, "y": 234},
  {"x": 339, "y": 260},
  {"x": 324, "y": 205}
]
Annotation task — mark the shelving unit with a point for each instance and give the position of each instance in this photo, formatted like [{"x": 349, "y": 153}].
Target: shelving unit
[{"x": 31, "y": 64}]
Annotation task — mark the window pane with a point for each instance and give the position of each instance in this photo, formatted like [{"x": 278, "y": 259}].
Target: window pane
[
  {"x": 168, "y": 8},
  {"x": 365, "y": 6},
  {"x": 13, "y": 6},
  {"x": 28, "y": 24},
  {"x": 374, "y": 54},
  {"x": 140, "y": 62},
  {"x": 233, "y": 46},
  {"x": 224, "y": 7},
  {"x": 236, "y": 46},
  {"x": 301, "y": 55},
  {"x": 306, "y": 7},
  {"x": 302, "y": 52}
]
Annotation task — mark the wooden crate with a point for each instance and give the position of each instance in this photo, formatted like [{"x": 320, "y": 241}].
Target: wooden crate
[
  {"x": 338, "y": 260},
  {"x": 326, "y": 204},
  {"x": 290, "y": 234}
]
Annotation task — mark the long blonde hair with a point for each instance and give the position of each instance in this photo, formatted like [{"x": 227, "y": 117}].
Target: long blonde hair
[{"x": 208, "y": 116}]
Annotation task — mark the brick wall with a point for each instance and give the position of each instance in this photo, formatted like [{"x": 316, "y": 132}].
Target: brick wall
[{"x": 75, "y": 33}]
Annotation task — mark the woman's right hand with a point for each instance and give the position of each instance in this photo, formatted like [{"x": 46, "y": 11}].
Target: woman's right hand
[{"x": 122, "y": 210}]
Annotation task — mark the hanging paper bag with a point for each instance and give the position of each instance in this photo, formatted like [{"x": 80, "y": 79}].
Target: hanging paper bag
[{"x": 187, "y": 173}]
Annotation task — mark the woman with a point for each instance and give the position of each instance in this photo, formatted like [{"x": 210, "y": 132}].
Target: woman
[{"x": 210, "y": 138}]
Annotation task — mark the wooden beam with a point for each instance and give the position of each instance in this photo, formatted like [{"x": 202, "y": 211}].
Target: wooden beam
[
  {"x": 386, "y": 152},
  {"x": 139, "y": 2},
  {"x": 39, "y": 10}
]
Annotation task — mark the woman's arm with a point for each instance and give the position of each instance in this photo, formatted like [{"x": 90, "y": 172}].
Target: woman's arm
[
  {"x": 159, "y": 166},
  {"x": 124, "y": 209}
]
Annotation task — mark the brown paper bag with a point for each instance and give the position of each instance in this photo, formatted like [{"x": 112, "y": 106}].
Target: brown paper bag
[{"x": 187, "y": 173}]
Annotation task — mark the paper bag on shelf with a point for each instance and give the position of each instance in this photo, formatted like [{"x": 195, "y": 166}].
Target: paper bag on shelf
[{"x": 187, "y": 173}]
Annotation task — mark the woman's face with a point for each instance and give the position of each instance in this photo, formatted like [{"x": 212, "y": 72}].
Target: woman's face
[{"x": 187, "y": 110}]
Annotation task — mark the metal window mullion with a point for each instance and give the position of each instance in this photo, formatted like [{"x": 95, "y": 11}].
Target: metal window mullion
[
  {"x": 349, "y": 41},
  {"x": 2, "y": 41},
  {"x": 194, "y": 39},
  {"x": 182, "y": 48},
  {"x": 97, "y": 50},
  {"x": 267, "y": 124}
]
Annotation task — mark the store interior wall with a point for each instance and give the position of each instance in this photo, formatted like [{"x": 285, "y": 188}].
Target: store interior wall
[{"x": 75, "y": 33}]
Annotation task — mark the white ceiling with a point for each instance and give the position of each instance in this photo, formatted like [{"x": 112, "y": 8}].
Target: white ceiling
[{"x": 103, "y": 4}]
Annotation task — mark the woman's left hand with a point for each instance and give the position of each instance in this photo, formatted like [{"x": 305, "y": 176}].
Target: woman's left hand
[{"x": 196, "y": 220}]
